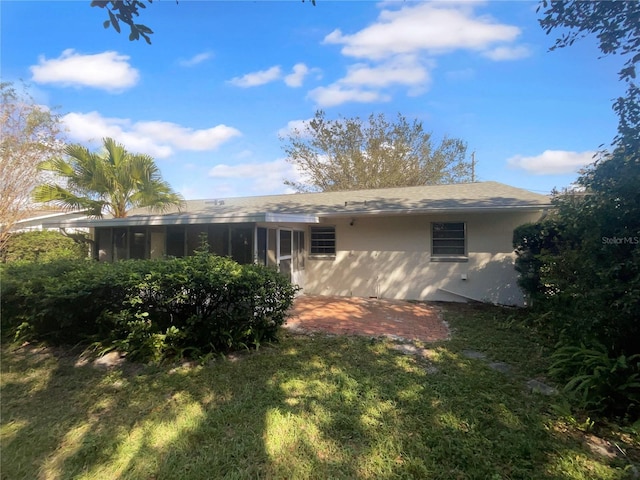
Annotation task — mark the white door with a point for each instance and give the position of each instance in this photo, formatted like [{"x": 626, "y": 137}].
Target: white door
[{"x": 291, "y": 255}]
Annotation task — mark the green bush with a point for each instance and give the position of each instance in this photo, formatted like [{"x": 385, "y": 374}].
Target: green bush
[
  {"x": 44, "y": 246},
  {"x": 149, "y": 308},
  {"x": 581, "y": 269},
  {"x": 597, "y": 381}
]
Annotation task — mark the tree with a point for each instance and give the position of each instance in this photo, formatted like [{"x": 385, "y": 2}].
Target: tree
[
  {"x": 616, "y": 25},
  {"x": 350, "y": 153},
  {"x": 581, "y": 265},
  {"x": 114, "y": 181},
  {"x": 126, "y": 11},
  {"x": 29, "y": 134}
]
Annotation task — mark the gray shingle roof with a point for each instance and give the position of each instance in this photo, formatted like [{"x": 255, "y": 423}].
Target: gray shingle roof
[{"x": 480, "y": 196}]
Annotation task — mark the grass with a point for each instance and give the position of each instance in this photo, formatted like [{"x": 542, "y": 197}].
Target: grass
[{"x": 307, "y": 407}]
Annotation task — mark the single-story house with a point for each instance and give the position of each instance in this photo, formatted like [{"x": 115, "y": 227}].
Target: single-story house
[
  {"x": 439, "y": 242},
  {"x": 45, "y": 219}
]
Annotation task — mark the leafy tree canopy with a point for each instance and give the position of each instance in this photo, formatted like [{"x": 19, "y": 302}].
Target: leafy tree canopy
[
  {"x": 29, "y": 134},
  {"x": 113, "y": 180},
  {"x": 351, "y": 153},
  {"x": 616, "y": 25},
  {"x": 127, "y": 11}
]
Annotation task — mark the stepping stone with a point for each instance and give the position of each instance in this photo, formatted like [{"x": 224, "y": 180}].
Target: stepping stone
[
  {"x": 109, "y": 360},
  {"x": 501, "y": 367},
  {"x": 406, "y": 349},
  {"x": 473, "y": 354},
  {"x": 539, "y": 387},
  {"x": 431, "y": 369}
]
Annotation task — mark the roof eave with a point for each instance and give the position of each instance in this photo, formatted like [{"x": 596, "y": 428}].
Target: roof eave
[{"x": 159, "y": 220}]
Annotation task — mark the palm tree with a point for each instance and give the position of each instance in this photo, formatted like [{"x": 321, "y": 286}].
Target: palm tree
[{"x": 113, "y": 181}]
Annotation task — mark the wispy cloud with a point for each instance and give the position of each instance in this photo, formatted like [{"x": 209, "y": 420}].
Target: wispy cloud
[
  {"x": 196, "y": 59},
  {"x": 262, "y": 178},
  {"x": 552, "y": 162},
  {"x": 401, "y": 70},
  {"x": 260, "y": 77},
  {"x": 106, "y": 71},
  {"x": 294, "y": 125},
  {"x": 505, "y": 53},
  {"x": 158, "y": 139},
  {"x": 337, "y": 94}
]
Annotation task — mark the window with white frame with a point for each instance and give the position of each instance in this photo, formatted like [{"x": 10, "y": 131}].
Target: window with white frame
[
  {"x": 323, "y": 241},
  {"x": 448, "y": 239}
]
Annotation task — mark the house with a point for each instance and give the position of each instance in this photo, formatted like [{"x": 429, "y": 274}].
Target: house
[
  {"x": 46, "y": 219},
  {"x": 441, "y": 242}
]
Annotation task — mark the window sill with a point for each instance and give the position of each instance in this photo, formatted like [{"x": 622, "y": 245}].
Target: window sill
[
  {"x": 450, "y": 258},
  {"x": 322, "y": 257}
]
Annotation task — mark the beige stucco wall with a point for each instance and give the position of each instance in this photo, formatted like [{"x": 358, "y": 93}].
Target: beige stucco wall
[{"x": 389, "y": 257}]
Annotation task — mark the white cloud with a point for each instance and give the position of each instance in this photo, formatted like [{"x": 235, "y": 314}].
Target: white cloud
[
  {"x": 552, "y": 162},
  {"x": 503, "y": 53},
  {"x": 258, "y": 178},
  {"x": 196, "y": 59},
  {"x": 337, "y": 94},
  {"x": 107, "y": 71},
  {"x": 299, "y": 125},
  {"x": 402, "y": 70},
  {"x": 255, "y": 79},
  {"x": 158, "y": 139},
  {"x": 399, "y": 48},
  {"x": 296, "y": 77},
  {"x": 433, "y": 28}
]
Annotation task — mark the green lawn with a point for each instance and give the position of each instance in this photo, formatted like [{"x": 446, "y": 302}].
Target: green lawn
[{"x": 307, "y": 407}]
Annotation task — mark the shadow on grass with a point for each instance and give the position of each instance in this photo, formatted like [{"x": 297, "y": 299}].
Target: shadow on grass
[{"x": 309, "y": 407}]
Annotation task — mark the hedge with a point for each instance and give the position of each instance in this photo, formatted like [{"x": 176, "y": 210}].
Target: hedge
[{"x": 150, "y": 309}]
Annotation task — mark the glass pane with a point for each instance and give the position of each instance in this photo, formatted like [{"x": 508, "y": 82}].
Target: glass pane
[
  {"x": 175, "y": 241},
  {"x": 448, "y": 250},
  {"x": 195, "y": 235},
  {"x": 119, "y": 244},
  {"x": 323, "y": 240},
  {"x": 104, "y": 244},
  {"x": 219, "y": 240},
  {"x": 242, "y": 244},
  {"x": 138, "y": 247},
  {"x": 271, "y": 251},
  {"x": 285, "y": 242},
  {"x": 285, "y": 268},
  {"x": 448, "y": 243},
  {"x": 262, "y": 246},
  {"x": 298, "y": 250}
]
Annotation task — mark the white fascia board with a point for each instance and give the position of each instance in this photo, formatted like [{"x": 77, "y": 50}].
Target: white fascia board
[
  {"x": 291, "y": 218},
  {"x": 159, "y": 220}
]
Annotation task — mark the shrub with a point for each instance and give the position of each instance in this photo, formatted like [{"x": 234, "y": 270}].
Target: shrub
[
  {"x": 581, "y": 268},
  {"x": 597, "y": 381},
  {"x": 149, "y": 308},
  {"x": 44, "y": 246}
]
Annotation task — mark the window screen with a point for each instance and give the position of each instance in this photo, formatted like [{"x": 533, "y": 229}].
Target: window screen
[
  {"x": 448, "y": 238},
  {"x": 323, "y": 241}
]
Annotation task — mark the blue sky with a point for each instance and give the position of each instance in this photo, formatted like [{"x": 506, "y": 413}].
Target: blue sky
[{"x": 222, "y": 80}]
